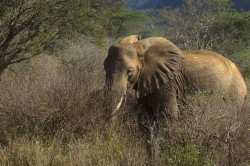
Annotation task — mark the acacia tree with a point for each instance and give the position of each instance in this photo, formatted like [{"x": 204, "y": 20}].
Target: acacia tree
[
  {"x": 126, "y": 22},
  {"x": 28, "y": 27},
  {"x": 189, "y": 26}
]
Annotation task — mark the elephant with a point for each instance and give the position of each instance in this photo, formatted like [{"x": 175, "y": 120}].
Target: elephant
[
  {"x": 161, "y": 75},
  {"x": 130, "y": 39}
]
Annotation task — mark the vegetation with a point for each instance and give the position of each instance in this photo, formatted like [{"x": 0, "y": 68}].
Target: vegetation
[
  {"x": 208, "y": 24},
  {"x": 49, "y": 114},
  {"x": 123, "y": 23},
  {"x": 29, "y": 27},
  {"x": 45, "y": 112},
  {"x": 148, "y": 4}
]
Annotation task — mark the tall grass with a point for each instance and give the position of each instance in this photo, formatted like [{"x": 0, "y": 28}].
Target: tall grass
[
  {"x": 210, "y": 132},
  {"x": 46, "y": 97},
  {"x": 49, "y": 115}
]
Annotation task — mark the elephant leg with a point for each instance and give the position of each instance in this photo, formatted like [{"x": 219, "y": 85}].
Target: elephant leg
[
  {"x": 167, "y": 105},
  {"x": 148, "y": 127},
  {"x": 170, "y": 110},
  {"x": 166, "y": 113},
  {"x": 157, "y": 112},
  {"x": 146, "y": 123}
]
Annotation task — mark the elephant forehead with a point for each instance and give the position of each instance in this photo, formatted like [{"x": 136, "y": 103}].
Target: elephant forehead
[
  {"x": 131, "y": 61},
  {"x": 121, "y": 56},
  {"x": 120, "y": 50},
  {"x": 120, "y": 62}
]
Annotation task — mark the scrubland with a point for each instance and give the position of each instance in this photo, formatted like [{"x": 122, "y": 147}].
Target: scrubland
[{"x": 48, "y": 118}]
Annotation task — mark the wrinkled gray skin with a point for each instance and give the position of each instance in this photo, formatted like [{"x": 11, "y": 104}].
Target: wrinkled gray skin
[{"x": 161, "y": 75}]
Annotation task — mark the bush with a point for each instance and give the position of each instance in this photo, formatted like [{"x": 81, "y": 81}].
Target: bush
[
  {"x": 48, "y": 94},
  {"x": 242, "y": 59},
  {"x": 211, "y": 131}
]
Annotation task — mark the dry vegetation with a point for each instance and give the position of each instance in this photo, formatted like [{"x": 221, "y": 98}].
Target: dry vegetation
[{"x": 48, "y": 116}]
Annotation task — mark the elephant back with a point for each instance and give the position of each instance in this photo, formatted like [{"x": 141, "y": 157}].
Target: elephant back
[{"x": 211, "y": 71}]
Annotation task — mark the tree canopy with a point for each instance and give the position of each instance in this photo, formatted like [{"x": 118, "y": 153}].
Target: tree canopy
[
  {"x": 30, "y": 26},
  {"x": 207, "y": 24},
  {"x": 127, "y": 22}
]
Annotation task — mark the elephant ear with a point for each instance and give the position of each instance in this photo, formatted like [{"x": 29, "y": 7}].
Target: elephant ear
[
  {"x": 162, "y": 61},
  {"x": 130, "y": 39}
]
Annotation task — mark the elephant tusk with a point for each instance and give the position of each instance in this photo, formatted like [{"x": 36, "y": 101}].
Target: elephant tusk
[{"x": 118, "y": 105}]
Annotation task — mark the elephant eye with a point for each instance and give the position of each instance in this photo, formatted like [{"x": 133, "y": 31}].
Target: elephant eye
[{"x": 130, "y": 72}]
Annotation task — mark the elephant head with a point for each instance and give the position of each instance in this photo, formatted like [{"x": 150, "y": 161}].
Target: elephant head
[
  {"x": 144, "y": 65},
  {"x": 130, "y": 39}
]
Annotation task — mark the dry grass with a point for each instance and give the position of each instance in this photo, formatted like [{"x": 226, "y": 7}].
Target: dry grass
[
  {"x": 210, "y": 132},
  {"x": 48, "y": 116},
  {"x": 48, "y": 92}
]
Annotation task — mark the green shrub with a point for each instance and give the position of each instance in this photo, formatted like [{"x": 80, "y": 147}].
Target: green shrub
[{"x": 189, "y": 155}]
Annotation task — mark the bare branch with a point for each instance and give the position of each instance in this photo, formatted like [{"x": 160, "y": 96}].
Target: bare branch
[{"x": 19, "y": 60}]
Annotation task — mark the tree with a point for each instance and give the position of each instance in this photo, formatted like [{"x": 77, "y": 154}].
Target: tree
[
  {"x": 28, "y": 27},
  {"x": 208, "y": 24},
  {"x": 190, "y": 25},
  {"x": 152, "y": 4},
  {"x": 211, "y": 25},
  {"x": 125, "y": 22}
]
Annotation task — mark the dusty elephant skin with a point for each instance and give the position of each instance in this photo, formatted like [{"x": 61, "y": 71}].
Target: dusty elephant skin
[
  {"x": 130, "y": 39},
  {"x": 161, "y": 75}
]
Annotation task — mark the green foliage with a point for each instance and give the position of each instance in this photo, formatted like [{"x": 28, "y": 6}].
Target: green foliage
[
  {"x": 189, "y": 25},
  {"x": 32, "y": 26},
  {"x": 242, "y": 57},
  {"x": 149, "y": 4},
  {"x": 136, "y": 3},
  {"x": 232, "y": 30},
  {"x": 205, "y": 7},
  {"x": 127, "y": 22},
  {"x": 208, "y": 24},
  {"x": 189, "y": 155},
  {"x": 113, "y": 147},
  {"x": 153, "y": 27}
]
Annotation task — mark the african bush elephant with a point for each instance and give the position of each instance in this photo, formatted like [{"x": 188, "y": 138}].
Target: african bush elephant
[{"x": 161, "y": 75}]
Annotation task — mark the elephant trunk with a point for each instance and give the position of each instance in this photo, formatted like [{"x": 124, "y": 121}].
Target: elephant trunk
[{"x": 115, "y": 95}]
